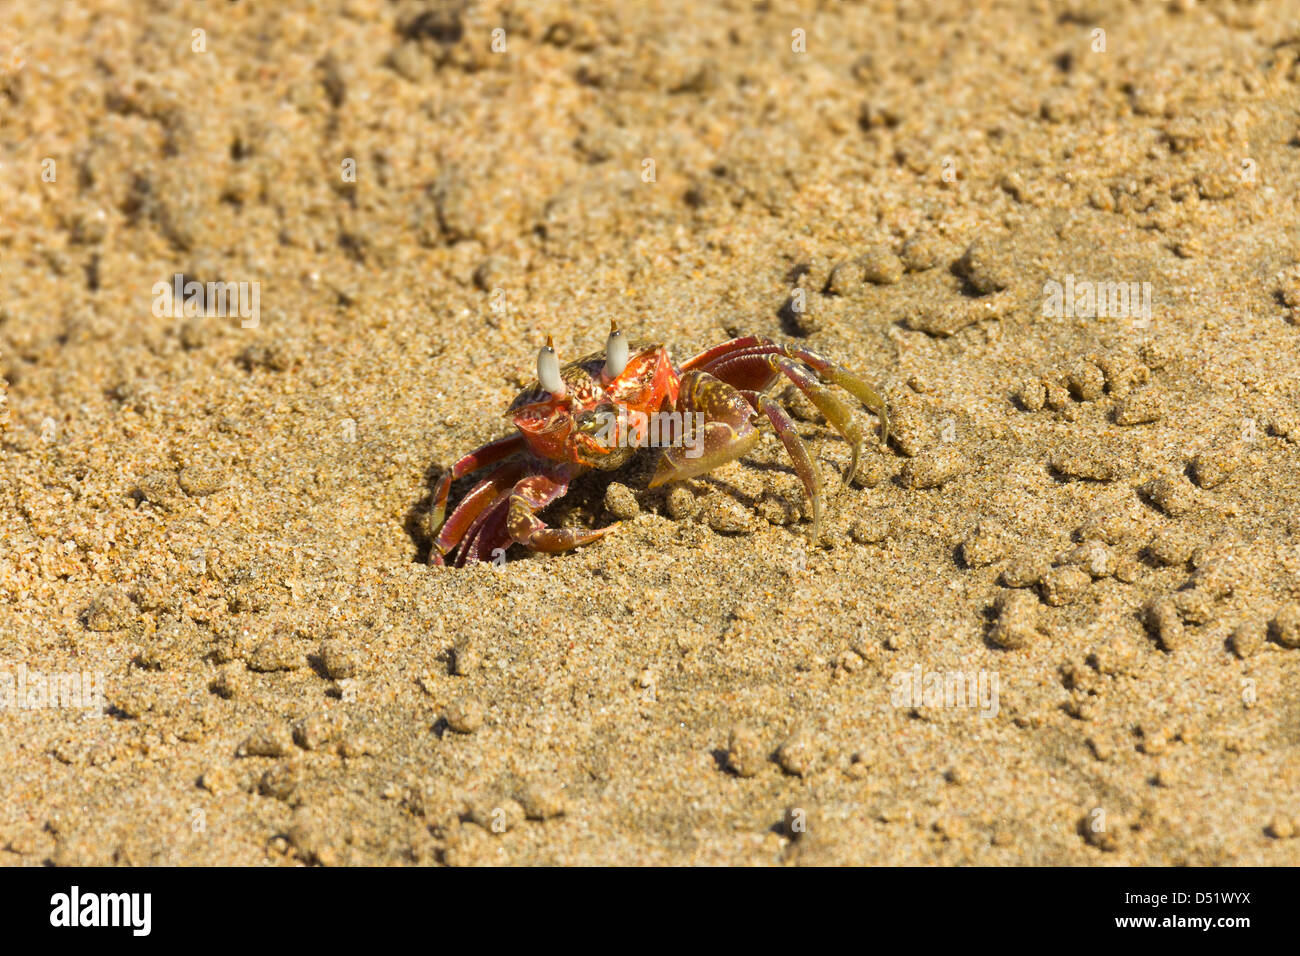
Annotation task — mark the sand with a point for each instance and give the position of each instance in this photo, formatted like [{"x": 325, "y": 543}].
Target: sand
[{"x": 215, "y": 532}]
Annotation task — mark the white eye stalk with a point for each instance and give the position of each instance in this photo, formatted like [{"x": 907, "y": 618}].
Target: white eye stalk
[
  {"x": 615, "y": 352},
  {"x": 548, "y": 370}
]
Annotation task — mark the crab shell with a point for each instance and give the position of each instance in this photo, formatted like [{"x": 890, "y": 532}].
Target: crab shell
[{"x": 572, "y": 427}]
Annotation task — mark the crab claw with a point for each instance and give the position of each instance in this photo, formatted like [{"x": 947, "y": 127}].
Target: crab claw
[{"x": 531, "y": 495}]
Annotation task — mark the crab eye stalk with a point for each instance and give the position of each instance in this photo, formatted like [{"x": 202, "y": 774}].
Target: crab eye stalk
[
  {"x": 615, "y": 352},
  {"x": 548, "y": 369}
]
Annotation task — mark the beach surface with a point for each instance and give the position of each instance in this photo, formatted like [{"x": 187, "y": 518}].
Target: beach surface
[{"x": 1055, "y": 621}]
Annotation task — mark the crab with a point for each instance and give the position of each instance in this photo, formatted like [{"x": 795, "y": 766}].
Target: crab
[{"x": 574, "y": 418}]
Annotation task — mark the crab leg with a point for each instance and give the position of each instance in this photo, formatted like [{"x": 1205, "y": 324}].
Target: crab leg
[
  {"x": 708, "y": 356},
  {"x": 827, "y": 402},
  {"x": 725, "y": 361},
  {"x": 798, "y": 452},
  {"x": 729, "y": 433},
  {"x": 488, "y": 533},
  {"x": 531, "y": 495},
  {"x": 473, "y": 505},
  {"x": 489, "y": 454}
]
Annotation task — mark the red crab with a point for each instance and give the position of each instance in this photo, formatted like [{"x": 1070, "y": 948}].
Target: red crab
[{"x": 564, "y": 420}]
